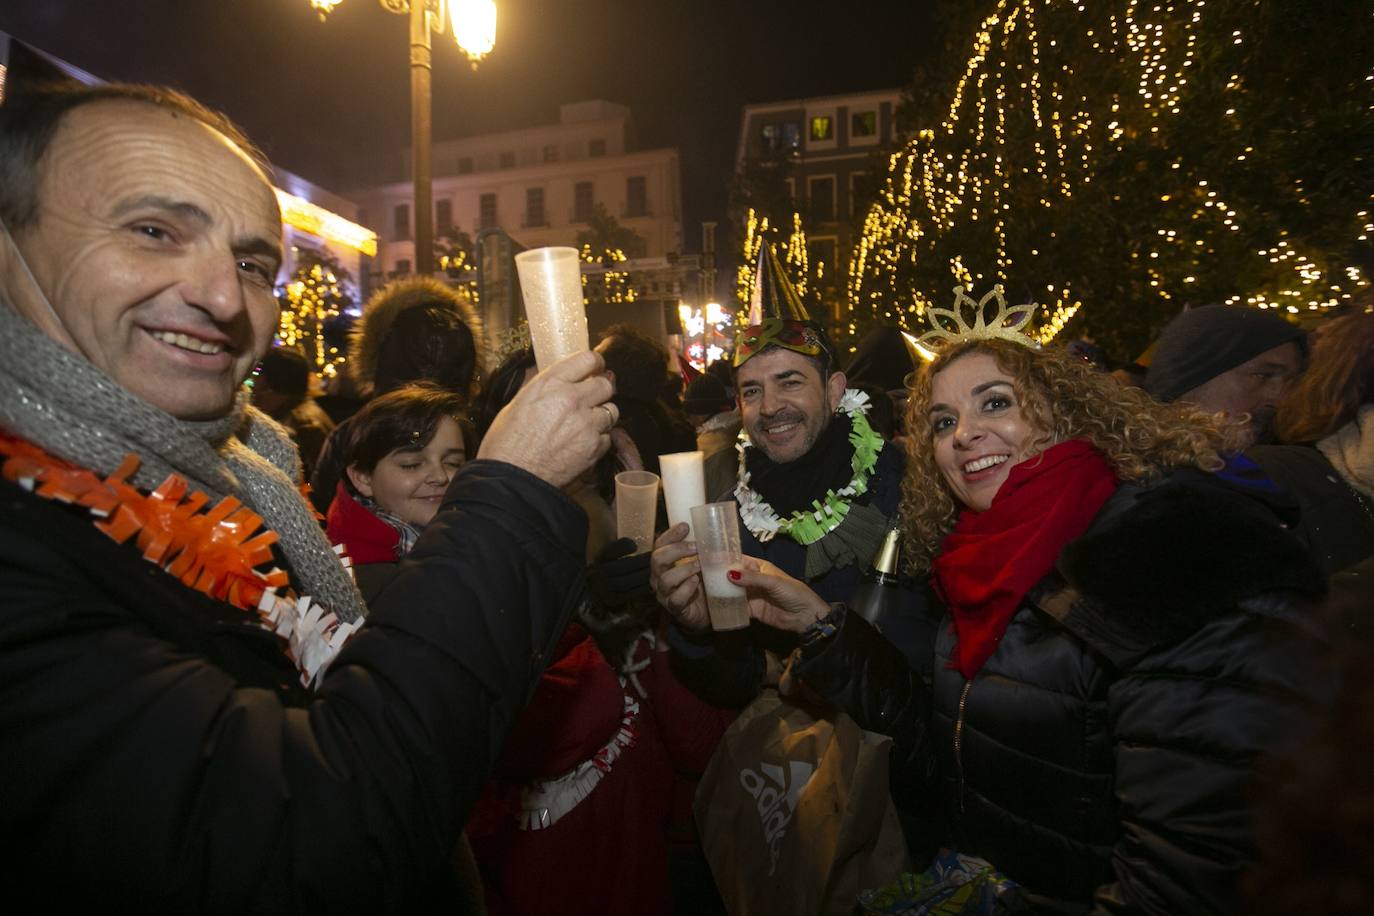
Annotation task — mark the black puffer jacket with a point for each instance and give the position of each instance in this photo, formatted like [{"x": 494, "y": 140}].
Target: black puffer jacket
[{"x": 1104, "y": 755}]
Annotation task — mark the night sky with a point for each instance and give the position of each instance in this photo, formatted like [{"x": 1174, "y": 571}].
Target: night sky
[{"x": 329, "y": 100}]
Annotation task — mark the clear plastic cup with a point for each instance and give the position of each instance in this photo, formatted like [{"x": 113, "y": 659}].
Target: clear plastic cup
[
  {"x": 636, "y": 506},
  {"x": 551, "y": 283},
  {"x": 716, "y": 529},
  {"x": 684, "y": 485}
]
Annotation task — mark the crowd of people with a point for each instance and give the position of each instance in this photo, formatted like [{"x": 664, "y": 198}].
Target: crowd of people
[{"x": 1122, "y": 666}]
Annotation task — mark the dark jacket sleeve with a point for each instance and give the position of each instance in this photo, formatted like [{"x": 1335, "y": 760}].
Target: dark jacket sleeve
[
  {"x": 862, "y": 673},
  {"x": 1191, "y": 725},
  {"x": 139, "y": 773},
  {"x": 724, "y": 669},
  {"x": 1188, "y": 593}
]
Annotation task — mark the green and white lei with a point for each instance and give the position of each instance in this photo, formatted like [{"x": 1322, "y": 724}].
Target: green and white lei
[{"x": 807, "y": 527}]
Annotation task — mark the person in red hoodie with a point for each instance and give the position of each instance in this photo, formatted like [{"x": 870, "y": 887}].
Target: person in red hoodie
[
  {"x": 401, "y": 451},
  {"x": 576, "y": 819}
]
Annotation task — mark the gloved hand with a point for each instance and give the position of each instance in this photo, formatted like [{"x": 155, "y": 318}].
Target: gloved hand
[{"x": 618, "y": 575}]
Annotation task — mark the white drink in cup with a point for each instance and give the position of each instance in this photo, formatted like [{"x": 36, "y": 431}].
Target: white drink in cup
[
  {"x": 551, "y": 284},
  {"x": 725, "y": 601},
  {"x": 684, "y": 485},
  {"x": 716, "y": 527},
  {"x": 636, "y": 506}
]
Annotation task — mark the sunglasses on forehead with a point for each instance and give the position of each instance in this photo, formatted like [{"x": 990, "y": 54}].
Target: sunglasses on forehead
[{"x": 797, "y": 336}]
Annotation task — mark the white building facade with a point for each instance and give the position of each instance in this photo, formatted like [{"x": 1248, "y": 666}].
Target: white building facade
[{"x": 540, "y": 185}]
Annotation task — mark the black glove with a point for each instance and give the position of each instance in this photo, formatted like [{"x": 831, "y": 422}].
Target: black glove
[{"x": 617, "y": 577}]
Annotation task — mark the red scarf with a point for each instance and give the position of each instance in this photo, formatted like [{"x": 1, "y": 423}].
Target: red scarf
[{"x": 991, "y": 559}]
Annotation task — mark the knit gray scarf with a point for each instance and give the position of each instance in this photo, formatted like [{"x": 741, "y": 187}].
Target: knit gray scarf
[{"x": 65, "y": 405}]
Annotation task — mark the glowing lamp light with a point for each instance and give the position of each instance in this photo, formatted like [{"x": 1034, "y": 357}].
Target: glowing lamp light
[{"x": 474, "y": 26}]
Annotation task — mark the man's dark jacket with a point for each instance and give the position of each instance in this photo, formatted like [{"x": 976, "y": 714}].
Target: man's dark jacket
[{"x": 158, "y": 754}]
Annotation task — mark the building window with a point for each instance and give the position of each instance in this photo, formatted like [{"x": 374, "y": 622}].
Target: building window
[
  {"x": 770, "y": 138},
  {"x": 551, "y": 152},
  {"x": 584, "y": 201},
  {"x": 443, "y": 217},
  {"x": 636, "y": 196},
  {"x": 487, "y": 208},
  {"x": 508, "y": 160},
  {"x": 400, "y": 221},
  {"x": 791, "y": 135},
  {"x": 791, "y": 184},
  {"x": 596, "y": 148},
  {"x": 822, "y": 128},
  {"x": 403, "y": 266},
  {"x": 465, "y": 165},
  {"x": 822, "y": 250},
  {"x": 534, "y": 207},
  {"x": 822, "y": 194},
  {"x": 863, "y": 123}
]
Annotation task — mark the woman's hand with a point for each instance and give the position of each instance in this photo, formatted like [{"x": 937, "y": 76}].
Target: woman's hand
[{"x": 776, "y": 599}]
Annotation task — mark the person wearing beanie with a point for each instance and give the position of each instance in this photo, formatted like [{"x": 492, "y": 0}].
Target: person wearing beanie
[
  {"x": 281, "y": 390},
  {"x": 1236, "y": 361},
  {"x": 712, "y": 412}
]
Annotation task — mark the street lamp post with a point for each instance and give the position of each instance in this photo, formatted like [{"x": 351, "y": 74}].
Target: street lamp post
[{"x": 473, "y": 24}]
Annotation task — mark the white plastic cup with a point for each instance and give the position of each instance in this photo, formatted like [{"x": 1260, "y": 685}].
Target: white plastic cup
[
  {"x": 551, "y": 283},
  {"x": 716, "y": 527},
  {"x": 636, "y": 506},
  {"x": 684, "y": 485}
]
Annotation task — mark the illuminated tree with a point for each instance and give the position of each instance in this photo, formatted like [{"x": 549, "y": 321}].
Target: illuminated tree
[
  {"x": 607, "y": 244},
  {"x": 313, "y": 309},
  {"x": 1135, "y": 158}
]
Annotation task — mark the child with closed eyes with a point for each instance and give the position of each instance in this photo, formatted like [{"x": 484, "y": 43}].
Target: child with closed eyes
[{"x": 401, "y": 452}]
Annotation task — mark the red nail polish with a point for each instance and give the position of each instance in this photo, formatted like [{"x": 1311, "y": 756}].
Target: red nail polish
[{"x": 734, "y": 575}]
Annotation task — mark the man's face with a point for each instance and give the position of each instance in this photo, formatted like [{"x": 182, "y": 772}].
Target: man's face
[
  {"x": 1254, "y": 387},
  {"x": 157, "y": 243},
  {"x": 784, "y": 403}
]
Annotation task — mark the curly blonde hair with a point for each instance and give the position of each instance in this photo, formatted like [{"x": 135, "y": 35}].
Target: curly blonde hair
[{"x": 1063, "y": 398}]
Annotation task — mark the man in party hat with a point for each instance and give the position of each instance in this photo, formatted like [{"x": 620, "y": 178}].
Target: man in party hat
[{"x": 817, "y": 488}]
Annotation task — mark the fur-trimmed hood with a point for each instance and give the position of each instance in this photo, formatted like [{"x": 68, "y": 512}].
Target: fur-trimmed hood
[
  {"x": 381, "y": 312},
  {"x": 1161, "y": 561}
]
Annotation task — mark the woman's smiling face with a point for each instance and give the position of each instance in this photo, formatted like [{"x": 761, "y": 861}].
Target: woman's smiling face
[{"x": 979, "y": 431}]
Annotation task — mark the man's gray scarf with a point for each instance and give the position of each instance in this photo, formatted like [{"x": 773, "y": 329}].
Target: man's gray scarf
[{"x": 62, "y": 403}]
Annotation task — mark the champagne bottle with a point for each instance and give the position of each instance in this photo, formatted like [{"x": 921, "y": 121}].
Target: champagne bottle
[
  {"x": 878, "y": 598},
  {"x": 899, "y": 611}
]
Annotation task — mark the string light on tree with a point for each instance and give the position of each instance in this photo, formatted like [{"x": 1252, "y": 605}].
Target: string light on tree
[
  {"x": 312, "y": 301},
  {"x": 1140, "y": 154}
]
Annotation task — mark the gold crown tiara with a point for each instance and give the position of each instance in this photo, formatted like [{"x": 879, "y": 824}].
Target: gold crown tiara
[
  {"x": 948, "y": 325},
  {"x": 509, "y": 341}
]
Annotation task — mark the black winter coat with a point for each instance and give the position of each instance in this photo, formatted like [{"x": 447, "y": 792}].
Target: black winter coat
[
  {"x": 1103, "y": 756},
  {"x": 157, "y": 753}
]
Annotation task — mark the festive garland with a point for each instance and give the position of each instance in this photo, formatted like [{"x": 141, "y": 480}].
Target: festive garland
[
  {"x": 216, "y": 551},
  {"x": 808, "y": 526},
  {"x": 544, "y": 802}
]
